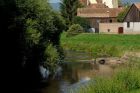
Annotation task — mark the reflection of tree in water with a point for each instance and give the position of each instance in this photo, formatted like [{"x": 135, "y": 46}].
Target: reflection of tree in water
[
  {"x": 76, "y": 71},
  {"x": 70, "y": 73}
]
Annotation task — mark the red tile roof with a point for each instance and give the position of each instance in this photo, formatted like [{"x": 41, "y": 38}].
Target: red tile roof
[{"x": 98, "y": 12}]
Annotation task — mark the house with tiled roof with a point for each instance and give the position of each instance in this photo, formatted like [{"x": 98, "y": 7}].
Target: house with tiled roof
[
  {"x": 131, "y": 24},
  {"x": 99, "y": 15},
  {"x": 97, "y": 11}
]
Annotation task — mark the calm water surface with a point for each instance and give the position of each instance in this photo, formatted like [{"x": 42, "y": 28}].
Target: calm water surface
[{"x": 77, "y": 67}]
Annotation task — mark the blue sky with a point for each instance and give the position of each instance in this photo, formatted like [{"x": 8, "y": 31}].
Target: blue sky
[{"x": 54, "y": 1}]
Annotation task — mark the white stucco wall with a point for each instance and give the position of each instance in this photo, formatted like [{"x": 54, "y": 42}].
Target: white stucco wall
[
  {"x": 137, "y": 26},
  {"x": 93, "y": 1},
  {"x": 108, "y": 3},
  {"x": 134, "y": 27}
]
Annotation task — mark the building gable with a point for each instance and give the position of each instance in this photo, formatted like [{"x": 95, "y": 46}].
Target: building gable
[{"x": 133, "y": 15}]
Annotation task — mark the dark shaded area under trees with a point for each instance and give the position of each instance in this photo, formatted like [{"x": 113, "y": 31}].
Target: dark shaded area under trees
[{"x": 28, "y": 27}]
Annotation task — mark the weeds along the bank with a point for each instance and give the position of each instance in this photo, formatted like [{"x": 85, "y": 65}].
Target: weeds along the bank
[
  {"x": 126, "y": 79},
  {"x": 103, "y": 44}
]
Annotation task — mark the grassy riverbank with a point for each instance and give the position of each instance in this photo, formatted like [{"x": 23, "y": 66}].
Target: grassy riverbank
[
  {"x": 101, "y": 44},
  {"x": 126, "y": 79}
]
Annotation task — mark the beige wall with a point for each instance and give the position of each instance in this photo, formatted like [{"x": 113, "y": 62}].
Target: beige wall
[{"x": 110, "y": 28}]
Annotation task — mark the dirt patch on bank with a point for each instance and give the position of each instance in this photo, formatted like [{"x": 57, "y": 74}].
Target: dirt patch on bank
[{"x": 118, "y": 60}]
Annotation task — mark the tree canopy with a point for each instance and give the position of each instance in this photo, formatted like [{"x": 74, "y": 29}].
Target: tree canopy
[
  {"x": 122, "y": 14},
  {"x": 29, "y": 27},
  {"x": 68, "y": 10}
]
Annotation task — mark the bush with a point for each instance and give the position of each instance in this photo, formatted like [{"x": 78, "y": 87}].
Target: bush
[
  {"x": 52, "y": 57},
  {"x": 75, "y": 29},
  {"x": 82, "y": 22}
]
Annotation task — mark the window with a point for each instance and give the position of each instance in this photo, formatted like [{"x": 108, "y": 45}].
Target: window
[
  {"x": 128, "y": 24},
  {"x": 110, "y": 20}
]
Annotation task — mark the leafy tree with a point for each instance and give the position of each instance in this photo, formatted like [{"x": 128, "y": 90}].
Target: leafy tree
[
  {"x": 68, "y": 10},
  {"x": 42, "y": 26},
  {"x": 122, "y": 14},
  {"x": 28, "y": 26},
  {"x": 82, "y": 22}
]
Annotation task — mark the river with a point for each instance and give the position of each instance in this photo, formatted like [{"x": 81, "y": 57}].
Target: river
[{"x": 77, "y": 67}]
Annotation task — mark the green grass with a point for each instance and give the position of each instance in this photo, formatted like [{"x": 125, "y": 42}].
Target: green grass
[
  {"x": 101, "y": 44},
  {"x": 135, "y": 91},
  {"x": 126, "y": 79}
]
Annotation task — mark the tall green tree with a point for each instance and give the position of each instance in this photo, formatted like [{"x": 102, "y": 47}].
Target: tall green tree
[
  {"x": 29, "y": 26},
  {"x": 122, "y": 14},
  {"x": 82, "y": 22},
  {"x": 68, "y": 10}
]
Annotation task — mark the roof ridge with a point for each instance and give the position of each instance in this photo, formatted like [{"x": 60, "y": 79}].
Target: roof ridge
[{"x": 137, "y": 5}]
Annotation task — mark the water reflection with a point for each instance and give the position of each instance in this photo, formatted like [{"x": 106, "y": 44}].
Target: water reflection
[{"x": 75, "y": 71}]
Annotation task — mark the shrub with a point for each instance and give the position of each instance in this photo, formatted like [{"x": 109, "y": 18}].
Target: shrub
[
  {"x": 75, "y": 29},
  {"x": 82, "y": 22},
  {"x": 52, "y": 57}
]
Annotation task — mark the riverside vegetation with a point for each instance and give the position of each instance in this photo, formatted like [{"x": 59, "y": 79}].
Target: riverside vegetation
[
  {"x": 126, "y": 78},
  {"x": 101, "y": 45}
]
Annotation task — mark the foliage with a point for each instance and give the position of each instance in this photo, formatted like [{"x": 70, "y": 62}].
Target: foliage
[
  {"x": 30, "y": 25},
  {"x": 68, "y": 10},
  {"x": 120, "y": 2},
  {"x": 75, "y": 29},
  {"x": 82, "y": 21},
  {"x": 122, "y": 14},
  {"x": 134, "y": 91},
  {"x": 52, "y": 57},
  {"x": 130, "y": 74},
  {"x": 125, "y": 80},
  {"x": 106, "y": 51},
  {"x": 41, "y": 25},
  {"x": 100, "y": 45}
]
